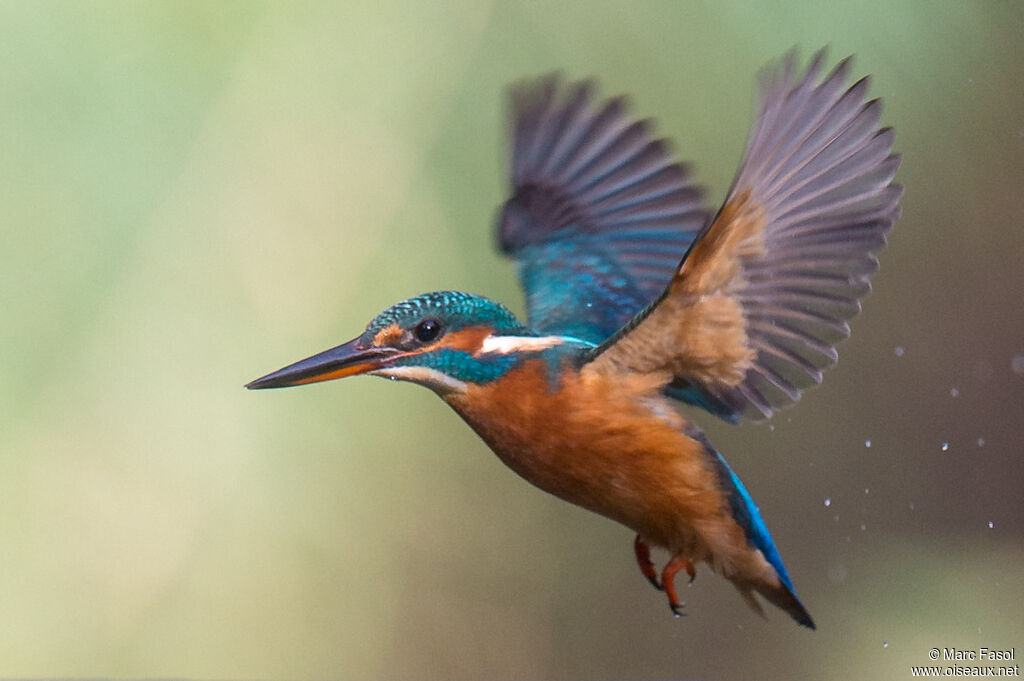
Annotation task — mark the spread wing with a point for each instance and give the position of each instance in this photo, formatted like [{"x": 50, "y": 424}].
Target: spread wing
[
  {"x": 600, "y": 212},
  {"x": 753, "y": 313}
]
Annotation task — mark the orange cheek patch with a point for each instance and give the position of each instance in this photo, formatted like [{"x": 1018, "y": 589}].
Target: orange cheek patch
[
  {"x": 468, "y": 340},
  {"x": 387, "y": 336}
]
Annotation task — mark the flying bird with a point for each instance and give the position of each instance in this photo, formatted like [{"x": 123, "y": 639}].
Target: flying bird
[{"x": 639, "y": 299}]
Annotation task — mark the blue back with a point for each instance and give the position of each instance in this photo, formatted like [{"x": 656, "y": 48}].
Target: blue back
[
  {"x": 600, "y": 215},
  {"x": 744, "y": 510},
  {"x": 749, "y": 518}
]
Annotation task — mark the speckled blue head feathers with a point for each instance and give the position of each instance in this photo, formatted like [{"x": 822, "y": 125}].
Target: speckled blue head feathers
[{"x": 453, "y": 309}]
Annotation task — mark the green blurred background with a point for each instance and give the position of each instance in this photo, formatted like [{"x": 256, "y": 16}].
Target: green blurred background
[{"x": 194, "y": 194}]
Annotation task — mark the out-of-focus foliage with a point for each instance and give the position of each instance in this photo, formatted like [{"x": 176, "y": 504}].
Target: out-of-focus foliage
[{"x": 192, "y": 194}]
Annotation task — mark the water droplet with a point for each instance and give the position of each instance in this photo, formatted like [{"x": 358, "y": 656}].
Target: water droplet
[
  {"x": 945, "y": 446},
  {"x": 954, "y": 393},
  {"x": 863, "y": 527},
  {"x": 990, "y": 524},
  {"x": 867, "y": 443},
  {"x": 899, "y": 350},
  {"x": 885, "y": 644},
  {"x": 867, "y": 490},
  {"x": 828, "y": 501},
  {"x": 771, "y": 427},
  {"x": 1017, "y": 364},
  {"x": 981, "y": 442}
]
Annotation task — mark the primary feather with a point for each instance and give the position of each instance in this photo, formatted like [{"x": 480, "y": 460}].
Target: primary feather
[
  {"x": 600, "y": 212},
  {"x": 752, "y": 315}
]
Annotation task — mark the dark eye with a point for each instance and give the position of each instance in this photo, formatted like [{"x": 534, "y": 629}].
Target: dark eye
[{"x": 427, "y": 330}]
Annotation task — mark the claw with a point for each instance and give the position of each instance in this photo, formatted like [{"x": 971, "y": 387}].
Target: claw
[
  {"x": 668, "y": 581},
  {"x": 643, "y": 559}
]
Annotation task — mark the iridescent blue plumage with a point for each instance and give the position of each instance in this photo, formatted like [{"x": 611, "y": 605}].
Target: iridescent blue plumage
[
  {"x": 601, "y": 217},
  {"x": 600, "y": 213},
  {"x": 607, "y": 294},
  {"x": 455, "y": 311},
  {"x": 462, "y": 309},
  {"x": 634, "y": 297},
  {"x": 463, "y": 366},
  {"x": 749, "y": 518}
]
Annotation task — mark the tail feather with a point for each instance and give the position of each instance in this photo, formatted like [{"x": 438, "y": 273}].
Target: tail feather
[
  {"x": 747, "y": 516},
  {"x": 784, "y": 599}
]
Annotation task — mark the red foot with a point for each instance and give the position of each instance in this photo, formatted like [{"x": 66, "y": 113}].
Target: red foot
[
  {"x": 668, "y": 576},
  {"x": 643, "y": 559}
]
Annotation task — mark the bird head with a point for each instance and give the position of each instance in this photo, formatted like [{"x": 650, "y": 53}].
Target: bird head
[{"x": 442, "y": 340}]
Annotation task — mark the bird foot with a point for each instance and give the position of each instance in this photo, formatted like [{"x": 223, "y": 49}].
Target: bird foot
[
  {"x": 668, "y": 575},
  {"x": 643, "y": 559}
]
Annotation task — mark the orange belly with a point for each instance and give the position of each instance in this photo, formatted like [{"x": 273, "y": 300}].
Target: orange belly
[{"x": 614, "y": 446}]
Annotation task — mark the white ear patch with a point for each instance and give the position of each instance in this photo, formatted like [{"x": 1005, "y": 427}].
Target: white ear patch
[
  {"x": 440, "y": 383},
  {"x": 505, "y": 345}
]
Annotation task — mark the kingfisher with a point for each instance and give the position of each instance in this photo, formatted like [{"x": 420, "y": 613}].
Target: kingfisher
[{"x": 639, "y": 300}]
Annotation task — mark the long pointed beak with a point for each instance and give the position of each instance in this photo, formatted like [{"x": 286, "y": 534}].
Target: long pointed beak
[{"x": 349, "y": 359}]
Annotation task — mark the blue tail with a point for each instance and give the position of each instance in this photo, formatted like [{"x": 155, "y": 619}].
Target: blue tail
[{"x": 745, "y": 513}]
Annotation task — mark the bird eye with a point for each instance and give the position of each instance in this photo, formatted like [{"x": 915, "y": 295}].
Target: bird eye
[{"x": 427, "y": 330}]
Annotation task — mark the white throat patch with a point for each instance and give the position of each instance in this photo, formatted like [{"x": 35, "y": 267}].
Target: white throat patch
[{"x": 440, "y": 383}]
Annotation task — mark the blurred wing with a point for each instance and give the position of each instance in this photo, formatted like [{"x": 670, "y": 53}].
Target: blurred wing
[
  {"x": 600, "y": 213},
  {"x": 753, "y": 314}
]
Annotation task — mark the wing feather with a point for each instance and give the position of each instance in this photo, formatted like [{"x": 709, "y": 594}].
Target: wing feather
[
  {"x": 752, "y": 315},
  {"x": 600, "y": 213}
]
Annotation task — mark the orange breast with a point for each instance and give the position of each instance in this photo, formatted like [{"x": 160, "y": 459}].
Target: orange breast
[{"x": 613, "y": 445}]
